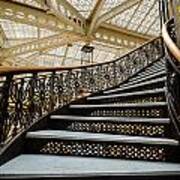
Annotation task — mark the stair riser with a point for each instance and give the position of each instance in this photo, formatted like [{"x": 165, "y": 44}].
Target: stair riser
[
  {"x": 131, "y": 99},
  {"x": 156, "y": 66},
  {"x": 97, "y": 176},
  {"x": 143, "y": 79},
  {"x": 135, "y": 129},
  {"x": 150, "y": 71},
  {"x": 147, "y": 77},
  {"x": 146, "y": 74},
  {"x": 155, "y": 85},
  {"x": 100, "y": 149},
  {"x": 158, "y": 112}
]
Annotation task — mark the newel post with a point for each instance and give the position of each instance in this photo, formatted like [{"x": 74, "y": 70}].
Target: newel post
[
  {"x": 175, "y": 9},
  {"x": 4, "y": 115}
]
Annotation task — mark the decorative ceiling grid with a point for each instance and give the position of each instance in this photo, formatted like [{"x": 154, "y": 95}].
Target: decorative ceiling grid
[
  {"x": 83, "y": 6},
  {"x": 142, "y": 18},
  {"x": 34, "y": 3}
]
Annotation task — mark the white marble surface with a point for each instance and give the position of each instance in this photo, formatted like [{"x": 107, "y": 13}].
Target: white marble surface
[
  {"x": 100, "y": 137},
  {"x": 49, "y": 166},
  {"x": 111, "y": 119}
]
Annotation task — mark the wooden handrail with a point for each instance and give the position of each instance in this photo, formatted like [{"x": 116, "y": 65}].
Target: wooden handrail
[
  {"x": 170, "y": 43},
  {"x": 25, "y": 69}
]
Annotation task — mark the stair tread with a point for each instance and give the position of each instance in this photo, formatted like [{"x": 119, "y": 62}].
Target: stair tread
[
  {"x": 136, "y": 85},
  {"x": 111, "y": 119},
  {"x": 156, "y": 64},
  {"x": 154, "y": 75},
  {"x": 100, "y": 137},
  {"x": 144, "y": 92},
  {"x": 148, "y": 104},
  {"x": 145, "y": 74},
  {"x": 24, "y": 166},
  {"x": 150, "y": 71}
]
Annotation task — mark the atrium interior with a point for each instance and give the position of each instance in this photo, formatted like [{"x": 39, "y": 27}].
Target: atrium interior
[
  {"x": 53, "y": 32},
  {"x": 90, "y": 89}
]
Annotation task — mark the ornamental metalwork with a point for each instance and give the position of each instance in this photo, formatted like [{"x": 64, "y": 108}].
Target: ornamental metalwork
[
  {"x": 127, "y": 151},
  {"x": 119, "y": 128},
  {"x": 26, "y": 96},
  {"x": 173, "y": 81},
  {"x": 31, "y": 31}
]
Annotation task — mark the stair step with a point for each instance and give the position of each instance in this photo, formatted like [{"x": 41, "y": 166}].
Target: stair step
[
  {"x": 149, "y": 110},
  {"x": 154, "y": 68},
  {"x": 149, "y": 72},
  {"x": 153, "y": 127},
  {"x": 42, "y": 166},
  {"x": 84, "y": 136},
  {"x": 100, "y": 145},
  {"x": 158, "y": 63},
  {"x": 159, "y": 74},
  {"x": 137, "y": 93},
  {"x": 136, "y": 105},
  {"x": 154, "y": 81},
  {"x": 144, "y": 75},
  {"x": 111, "y": 119},
  {"x": 155, "y": 64}
]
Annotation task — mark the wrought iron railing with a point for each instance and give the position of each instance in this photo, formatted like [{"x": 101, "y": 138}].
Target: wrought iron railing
[
  {"x": 172, "y": 57},
  {"x": 28, "y": 94},
  {"x": 173, "y": 80}
]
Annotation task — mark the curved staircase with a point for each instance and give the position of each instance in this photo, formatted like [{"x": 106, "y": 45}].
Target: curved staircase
[
  {"x": 125, "y": 126},
  {"x": 113, "y": 134},
  {"x": 130, "y": 121}
]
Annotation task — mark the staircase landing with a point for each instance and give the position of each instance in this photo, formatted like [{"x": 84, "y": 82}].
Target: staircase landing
[{"x": 48, "y": 166}]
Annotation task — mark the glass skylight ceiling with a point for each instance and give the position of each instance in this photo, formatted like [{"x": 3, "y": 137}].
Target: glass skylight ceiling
[
  {"x": 101, "y": 53},
  {"x": 34, "y": 3},
  {"x": 83, "y": 6},
  {"x": 15, "y": 30},
  {"x": 109, "y": 4},
  {"x": 142, "y": 18}
]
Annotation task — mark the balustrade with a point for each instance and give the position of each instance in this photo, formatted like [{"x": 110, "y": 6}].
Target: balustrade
[
  {"x": 26, "y": 95},
  {"x": 173, "y": 79}
]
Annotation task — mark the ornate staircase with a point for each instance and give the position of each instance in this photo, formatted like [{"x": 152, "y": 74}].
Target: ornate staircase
[
  {"x": 115, "y": 120},
  {"x": 130, "y": 121}
]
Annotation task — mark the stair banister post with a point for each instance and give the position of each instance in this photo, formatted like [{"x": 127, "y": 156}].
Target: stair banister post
[
  {"x": 4, "y": 115},
  {"x": 52, "y": 104},
  {"x": 174, "y": 11}
]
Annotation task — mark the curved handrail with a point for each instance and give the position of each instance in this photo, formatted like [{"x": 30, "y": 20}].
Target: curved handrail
[
  {"x": 172, "y": 57},
  {"x": 170, "y": 43},
  {"x": 27, "y": 94},
  {"x": 18, "y": 70}
]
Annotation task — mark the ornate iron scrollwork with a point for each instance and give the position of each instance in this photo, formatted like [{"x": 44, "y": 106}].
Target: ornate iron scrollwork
[
  {"x": 173, "y": 81},
  {"x": 25, "y": 97}
]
